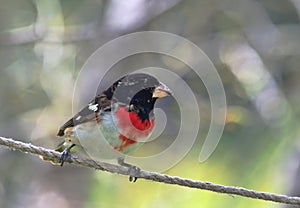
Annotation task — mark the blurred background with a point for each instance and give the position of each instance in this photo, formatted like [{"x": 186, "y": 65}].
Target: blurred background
[{"x": 255, "y": 46}]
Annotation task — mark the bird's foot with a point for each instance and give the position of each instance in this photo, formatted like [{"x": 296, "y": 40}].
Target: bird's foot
[
  {"x": 133, "y": 171},
  {"x": 66, "y": 155}
]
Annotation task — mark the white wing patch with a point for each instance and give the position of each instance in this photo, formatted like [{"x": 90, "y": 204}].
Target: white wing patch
[
  {"x": 93, "y": 107},
  {"x": 78, "y": 117}
]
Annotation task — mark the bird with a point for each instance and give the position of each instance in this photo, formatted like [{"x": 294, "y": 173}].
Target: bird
[{"x": 128, "y": 105}]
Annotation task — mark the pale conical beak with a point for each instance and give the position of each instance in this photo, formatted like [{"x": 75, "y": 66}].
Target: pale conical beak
[{"x": 161, "y": 91}]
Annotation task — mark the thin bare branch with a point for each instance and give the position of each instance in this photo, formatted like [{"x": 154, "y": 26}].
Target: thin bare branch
[{"x": 54, "y": 157}]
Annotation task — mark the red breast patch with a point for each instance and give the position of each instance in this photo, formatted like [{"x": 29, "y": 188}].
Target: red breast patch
[{"x": 132, "y": 126}]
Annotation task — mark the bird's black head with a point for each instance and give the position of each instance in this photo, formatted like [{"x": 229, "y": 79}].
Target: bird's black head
[{"x": 139, "y": 91}]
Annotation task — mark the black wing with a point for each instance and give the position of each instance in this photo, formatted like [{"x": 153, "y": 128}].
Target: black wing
[
  {"x": 103, "y": 101},
  {"x": 88, "y": 113}
]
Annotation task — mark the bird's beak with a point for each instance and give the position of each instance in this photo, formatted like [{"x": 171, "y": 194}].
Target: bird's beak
[{"x": 161, "y": 91}]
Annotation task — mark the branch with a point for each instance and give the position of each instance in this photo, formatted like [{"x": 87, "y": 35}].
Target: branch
[{"x": 53, "y": 156}]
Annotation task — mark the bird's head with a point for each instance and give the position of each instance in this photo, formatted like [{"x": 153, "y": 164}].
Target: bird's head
[{"x": 138, "y": 90}]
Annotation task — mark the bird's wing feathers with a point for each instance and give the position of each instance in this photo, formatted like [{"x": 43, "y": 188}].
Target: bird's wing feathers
[
  {"x": 103, "y": 101},
  {"x": 91, "y": 112}
]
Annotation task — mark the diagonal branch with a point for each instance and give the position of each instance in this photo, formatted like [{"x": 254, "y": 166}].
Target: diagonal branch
[{"x": 54, "y": 157}]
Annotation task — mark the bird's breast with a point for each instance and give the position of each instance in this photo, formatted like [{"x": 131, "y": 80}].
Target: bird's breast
[{"x": 132, "y": 126}]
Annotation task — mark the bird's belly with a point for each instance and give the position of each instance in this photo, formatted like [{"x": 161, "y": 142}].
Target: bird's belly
[
  {"x": 122, "y": 138},
  {"x": 106, "y": 138}
]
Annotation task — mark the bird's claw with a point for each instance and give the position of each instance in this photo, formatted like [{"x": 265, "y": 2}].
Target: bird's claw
[
  {"x": 65, "y": 155},
  {"x": 133, "y": 171}
]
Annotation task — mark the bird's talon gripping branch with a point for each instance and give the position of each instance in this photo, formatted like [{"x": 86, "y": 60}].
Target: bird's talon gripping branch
[
  {"x": 136, "y": 172},
  {"x": 66, "y": 155},
  {"x": 133, "y": 171}
]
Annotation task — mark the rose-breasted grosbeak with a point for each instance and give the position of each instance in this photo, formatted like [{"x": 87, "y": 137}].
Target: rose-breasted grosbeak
[{"x": 124, "y": 112}]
